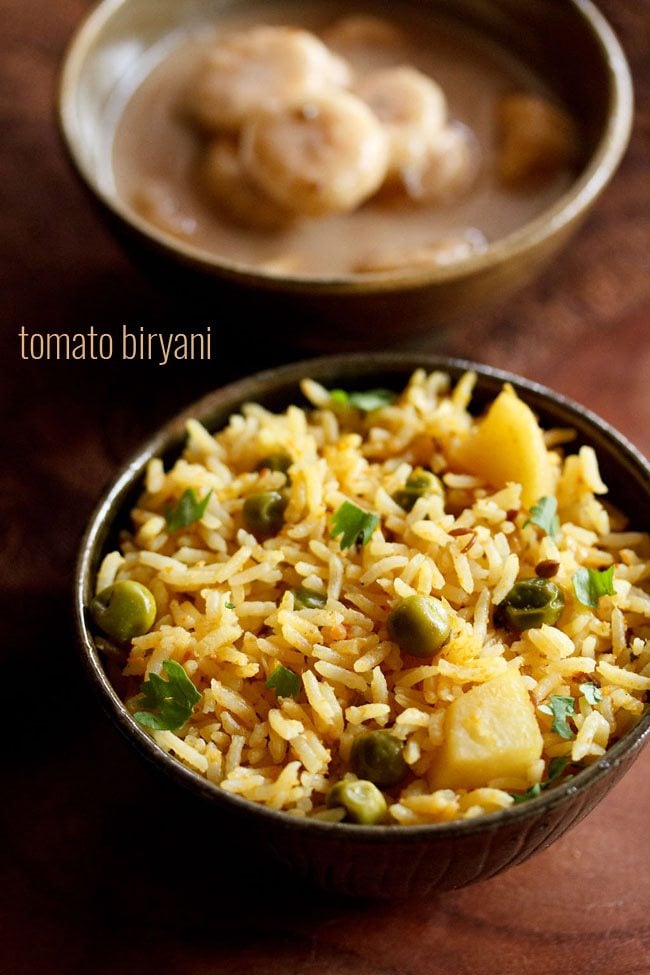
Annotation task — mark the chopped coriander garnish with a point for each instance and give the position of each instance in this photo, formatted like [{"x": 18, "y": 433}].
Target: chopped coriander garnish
[
  {"x": 590, "y": 584},
  {"x": 169, "y": 703},
  {"x": 339, "y": 397},
  {"x": 544, "y": 514},
  {"x": 354, "y": 525},
  {"x": 284, "y": 682},
  {"x": 561, "y": 708},
  {"x": 188, "y": 510},
  {"x": 304, "y": 598},
  {"x": 366, "y": 401},
  {"x": 555, "y": 769},
  {"x": 230, "y": 605},
  {"x": 532, "y": 793},
  {"x": 591, "y": 693}
]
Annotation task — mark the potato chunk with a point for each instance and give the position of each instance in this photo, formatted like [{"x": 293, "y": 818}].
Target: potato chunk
[
  {"x": 537, "y": 139},
  {"x": 490, "y": 732},
  {"x": 508, "y": 445}
]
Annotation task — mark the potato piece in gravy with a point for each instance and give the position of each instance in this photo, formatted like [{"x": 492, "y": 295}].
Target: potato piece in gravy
[
  {"x": 227, "y": 186},
  {"x": 538, "y": 139},
  {"x": 324, "y": 155},
  {"x": 261, "y": 68},
  {"x": 412, "y": 109}
]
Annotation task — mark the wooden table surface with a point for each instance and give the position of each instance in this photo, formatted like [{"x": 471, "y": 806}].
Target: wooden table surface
[{"x": 101, "y": 869}]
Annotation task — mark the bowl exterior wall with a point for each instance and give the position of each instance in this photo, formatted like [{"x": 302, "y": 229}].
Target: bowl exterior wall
[
  {"x": 333, "y": 322},
  {"x": 399, "y": 868}
]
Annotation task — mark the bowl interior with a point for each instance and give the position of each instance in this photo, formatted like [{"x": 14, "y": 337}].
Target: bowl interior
[
  {"x": 566, "y": 42},
  {"x": 625, "y": 471}
]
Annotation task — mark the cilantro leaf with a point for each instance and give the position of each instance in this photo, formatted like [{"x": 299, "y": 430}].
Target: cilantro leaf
[
  {"x": 304, "y": 598},
  {"x": 229, "y": 605},
  {"x": 188, "y": 510},
  {"x": 339, "y": 397},
  {"x": 284, "y": 682},
  {"x": 555, "y": 769},
  {"x": 366, "y": 401},
  {"x": 590, "y": 584},
  {"x": 354, "y": 525},
  {"x": 592, "y": 693},
  {"x": 561, "y": 708},
  {"x": 535, "y": 790},
  {"x": 168, "y": 703},
  {"x": 544, "y": 514}
]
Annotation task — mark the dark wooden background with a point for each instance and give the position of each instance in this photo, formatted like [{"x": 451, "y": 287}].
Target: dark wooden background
[{"x": 103, "y": 871}]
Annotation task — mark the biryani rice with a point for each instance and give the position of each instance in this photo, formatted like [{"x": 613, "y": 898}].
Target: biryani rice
[{"x": 226, "y": 612}]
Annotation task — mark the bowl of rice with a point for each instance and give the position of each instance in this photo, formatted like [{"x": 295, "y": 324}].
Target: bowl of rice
[{"x": 390, "y": 612}]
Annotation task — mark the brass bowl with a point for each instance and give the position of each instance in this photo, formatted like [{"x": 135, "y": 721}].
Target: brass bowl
[
  {"x": 567, "y": 42},
  {"x": 376, "y": 861}
]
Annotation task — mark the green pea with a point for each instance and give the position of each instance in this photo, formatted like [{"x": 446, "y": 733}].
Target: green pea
[
  {"x": 277, "y": 460},
  {"x": 420, "y": 484},
  {"x": 264, "y": 513},
  {"x": 308, "y": 598},
  {"x": 378, "y": 756},
  {"x": 123, "y": 610},
  {"x": 419, "y": 625},
  {"x": 531, "y": 603},
  {"x": 362, "y": 801}
]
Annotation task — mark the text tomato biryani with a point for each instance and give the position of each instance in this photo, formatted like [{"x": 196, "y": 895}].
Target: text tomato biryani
[{"x": 382, "y": 609}]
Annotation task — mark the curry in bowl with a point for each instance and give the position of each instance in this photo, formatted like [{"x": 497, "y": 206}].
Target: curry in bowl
[{"x": 344, "y": 145}]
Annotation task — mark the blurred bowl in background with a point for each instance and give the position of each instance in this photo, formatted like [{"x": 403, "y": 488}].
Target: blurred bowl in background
[{"x": 567, "y": 44}]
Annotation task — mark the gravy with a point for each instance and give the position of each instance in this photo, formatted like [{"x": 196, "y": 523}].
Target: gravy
[{"x": 156, "y": 154}]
